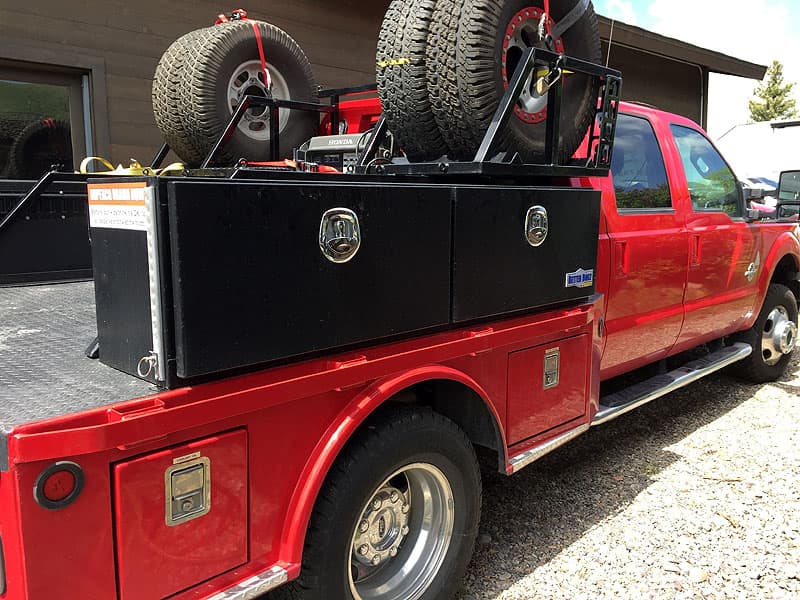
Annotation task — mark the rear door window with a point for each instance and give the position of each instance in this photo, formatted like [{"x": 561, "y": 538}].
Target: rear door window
[{"x": 637, "y": 165}]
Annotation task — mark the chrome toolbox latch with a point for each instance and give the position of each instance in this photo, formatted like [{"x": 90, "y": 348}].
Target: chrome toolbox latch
[
  {"x": 188, "y": 490},
  {"x": 339, "y": 235}
]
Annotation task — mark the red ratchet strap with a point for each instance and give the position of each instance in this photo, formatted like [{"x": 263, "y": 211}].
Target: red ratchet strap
[
  {"x": 241, "y": 15},
  {"x": 291, "y": 164},
  {"x": 267, "y": 79},
  {"x": 547, "y": 16}
]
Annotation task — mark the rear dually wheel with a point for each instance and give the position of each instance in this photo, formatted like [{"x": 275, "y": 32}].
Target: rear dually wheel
[{"x": 398, "y": 514}]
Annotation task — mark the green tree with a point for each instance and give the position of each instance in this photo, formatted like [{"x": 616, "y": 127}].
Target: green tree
[{"x": 773, "y": 97}]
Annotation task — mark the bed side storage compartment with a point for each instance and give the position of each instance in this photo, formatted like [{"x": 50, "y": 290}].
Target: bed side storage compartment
[{"x": 181, "y": 515}]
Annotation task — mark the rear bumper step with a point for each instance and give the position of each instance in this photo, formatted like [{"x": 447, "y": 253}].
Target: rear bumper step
[{"x": 617, "y": 404}]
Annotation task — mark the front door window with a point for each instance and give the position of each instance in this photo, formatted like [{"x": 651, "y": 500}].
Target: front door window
[{"x": 712, "y": 184}]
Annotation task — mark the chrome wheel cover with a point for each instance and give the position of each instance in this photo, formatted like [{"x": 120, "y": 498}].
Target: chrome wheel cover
[
  {"x": 779, "y": 336},
  {"x": 248, "y": 79},
  {"x": 402, "y": 536}
]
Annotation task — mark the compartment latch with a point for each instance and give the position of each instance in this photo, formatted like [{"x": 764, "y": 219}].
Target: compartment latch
[
  {"x": 552, "y": 368},
  {"x": 188, "y": 490}
]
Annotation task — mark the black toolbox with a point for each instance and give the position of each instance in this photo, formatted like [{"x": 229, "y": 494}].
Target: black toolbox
[{"x": 198, "y": 277}]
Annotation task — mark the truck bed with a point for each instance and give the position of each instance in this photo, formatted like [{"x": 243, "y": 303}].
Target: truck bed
[{"x": 44, "y": 373}]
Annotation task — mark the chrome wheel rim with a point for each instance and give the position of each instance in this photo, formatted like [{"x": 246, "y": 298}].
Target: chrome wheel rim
[
  {"x": 248, "y": 80},
  {"x": 779, "y": 336},
  {"x": 402, "y": 536}
]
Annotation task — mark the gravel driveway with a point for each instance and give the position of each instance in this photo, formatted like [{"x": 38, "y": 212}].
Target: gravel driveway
[{"x": 695, "y": 495}]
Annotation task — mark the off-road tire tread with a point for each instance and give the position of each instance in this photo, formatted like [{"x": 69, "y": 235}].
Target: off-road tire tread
[
  {"x": 20, "y": 165},
  {"x": 186, "y": 81},
  {"x": 402, "y": 86},
  {"x": 443, "y": 69},
  {"x": 462, "y": 86}
]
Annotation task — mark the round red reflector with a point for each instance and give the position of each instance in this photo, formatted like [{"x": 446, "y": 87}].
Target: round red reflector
[{"x": 59, "y": 486}]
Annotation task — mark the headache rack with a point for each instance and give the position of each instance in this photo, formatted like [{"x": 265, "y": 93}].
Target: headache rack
[{"x": 490, "y": 160}]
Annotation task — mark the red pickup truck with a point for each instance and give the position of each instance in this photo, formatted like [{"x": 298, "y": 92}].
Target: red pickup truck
[{"x": 355, "y": 473}]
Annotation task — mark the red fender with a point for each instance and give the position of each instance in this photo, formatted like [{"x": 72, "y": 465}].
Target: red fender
[
  {"x": 340, "y": 431},
  {"x": 785, "y": 244}
]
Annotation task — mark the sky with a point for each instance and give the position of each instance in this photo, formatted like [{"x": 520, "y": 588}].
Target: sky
[{"x": 758, "y": 31}]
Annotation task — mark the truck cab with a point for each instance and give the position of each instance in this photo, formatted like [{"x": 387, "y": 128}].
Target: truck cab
[{"x": 681, "y": 262}]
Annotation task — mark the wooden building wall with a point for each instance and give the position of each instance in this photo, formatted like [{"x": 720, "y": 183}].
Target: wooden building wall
[{"x": 120, "y": 43}]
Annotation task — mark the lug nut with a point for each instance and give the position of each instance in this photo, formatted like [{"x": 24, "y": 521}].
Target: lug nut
[
  {"x": 363, "y": 526},
  {"x": 363, "y": 550},
  {"x": 404, "y": 530},
  {"x": 376, "y": 504},
  {"x": 376, "y": 560},
  {"x": 393, "y": 552},
  {"x": 395, "y": 497},
  {"x": 405, "y": 508}
]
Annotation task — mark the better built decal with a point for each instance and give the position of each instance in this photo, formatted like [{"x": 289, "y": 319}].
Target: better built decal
[{"x": 580, "y": 279}]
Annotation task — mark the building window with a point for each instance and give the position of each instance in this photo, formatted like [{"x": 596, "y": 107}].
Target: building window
[
  {"x": 41, "y": 121},
  {"x": 637, "y": 165}
]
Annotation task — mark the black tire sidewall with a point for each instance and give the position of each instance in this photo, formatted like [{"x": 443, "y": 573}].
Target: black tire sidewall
[
  {"x": 283, "y": 60},
  {"x": 442, "y": 448}
]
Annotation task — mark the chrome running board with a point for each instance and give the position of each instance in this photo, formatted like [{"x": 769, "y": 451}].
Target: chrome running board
[
  {"x": 617, "y": 404},
  {"x": 520, "y": 461}
]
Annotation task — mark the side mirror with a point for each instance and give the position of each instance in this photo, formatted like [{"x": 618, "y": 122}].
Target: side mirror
[
  {"x": 789, "y": 196},
  {"x": 789, "y": 186},
  {"x": 752, "y": 193}
]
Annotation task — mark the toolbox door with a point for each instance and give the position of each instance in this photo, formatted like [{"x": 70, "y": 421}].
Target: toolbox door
[
  {"x": 547, "y": 387},
  {"x": 255, "y": 281},
  {"x": 181, "y": 516},
  {"x": 518, "y": 249}
]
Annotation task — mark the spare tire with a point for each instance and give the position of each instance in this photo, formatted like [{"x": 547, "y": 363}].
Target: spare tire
[
  {"x": 38, "y": 147},
  {"x": 401, "y": 77},
  {"x": 473, "y": 49},
  {"x": 203, "y": 76}
]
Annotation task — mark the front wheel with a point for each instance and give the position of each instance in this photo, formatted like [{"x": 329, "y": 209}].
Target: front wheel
[
  {"x": 398, "y": 515},
  {"x": 773, "y": 337}
]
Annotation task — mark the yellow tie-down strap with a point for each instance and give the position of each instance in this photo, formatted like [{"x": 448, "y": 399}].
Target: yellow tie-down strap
[{"x": 135, "y": 168}]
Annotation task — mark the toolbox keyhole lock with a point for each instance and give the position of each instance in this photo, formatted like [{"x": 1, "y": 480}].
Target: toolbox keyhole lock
[{"x": 339, "y": 235}]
